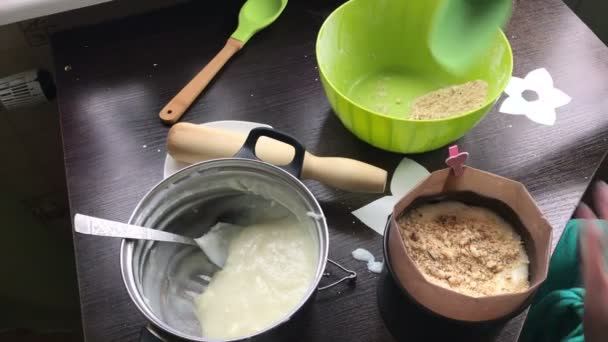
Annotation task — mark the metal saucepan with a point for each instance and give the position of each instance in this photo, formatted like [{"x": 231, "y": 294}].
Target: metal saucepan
[{"x": 163, "y": 278}]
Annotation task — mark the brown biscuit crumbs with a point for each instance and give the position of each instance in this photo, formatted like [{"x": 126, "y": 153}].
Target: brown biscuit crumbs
[
  {"x": 467, "y": 249},
  {"x": 450, "y": 101}
]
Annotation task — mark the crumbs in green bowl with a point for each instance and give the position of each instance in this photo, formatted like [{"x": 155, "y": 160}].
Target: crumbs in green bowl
[{"x": 450, "y": 101}]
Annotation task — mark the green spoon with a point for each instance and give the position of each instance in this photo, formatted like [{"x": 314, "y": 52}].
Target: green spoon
[
  {"x": 254, "y": 16},
  {"x": 463, "y": 29}
]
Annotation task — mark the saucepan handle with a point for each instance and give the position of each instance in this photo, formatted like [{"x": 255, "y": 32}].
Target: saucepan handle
[
  {"x": 349, "y": 276},
  {"x": 248, "y": 149}
]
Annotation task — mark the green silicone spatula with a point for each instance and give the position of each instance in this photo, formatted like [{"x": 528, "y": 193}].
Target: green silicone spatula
[
  {"x": 254, "y": 16},
  {"x": 463, "y": 29}
]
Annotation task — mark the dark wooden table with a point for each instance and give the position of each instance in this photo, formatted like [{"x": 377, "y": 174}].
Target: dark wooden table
[{"x": 123, "y": 72}]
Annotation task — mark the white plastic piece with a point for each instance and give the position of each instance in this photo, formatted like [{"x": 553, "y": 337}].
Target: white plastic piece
[
  {"x": 407, "y": 174},
  {"x": 375, "y": 214},
  {"x": 541, "y": 110}
]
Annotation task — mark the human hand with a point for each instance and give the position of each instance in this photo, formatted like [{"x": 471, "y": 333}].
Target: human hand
[{"x": 595, "y": 278}]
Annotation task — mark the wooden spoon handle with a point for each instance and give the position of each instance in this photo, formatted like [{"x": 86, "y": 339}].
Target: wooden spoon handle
[
  {"x": 193, "y": 143},
  {"x": 174, "y": 110}
]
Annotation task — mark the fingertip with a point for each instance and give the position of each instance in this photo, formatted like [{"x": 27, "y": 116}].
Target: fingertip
[
  {"x": 592, "y": 231},
  {"x": 600, "y": 198},
  {"x": 584, "y": 212},
  {"x": 592, "y": 251}
]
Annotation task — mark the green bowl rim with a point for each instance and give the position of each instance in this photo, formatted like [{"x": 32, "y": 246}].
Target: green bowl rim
[{"x": 488, "y": 102}]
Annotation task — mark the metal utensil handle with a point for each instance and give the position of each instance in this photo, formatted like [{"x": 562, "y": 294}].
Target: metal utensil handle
[
  {"x": 248, "y": 149},
  {"x": 352, "y": 275},
  {"x": 90, "y": 225},
  {"x": 149, "y": 334}
]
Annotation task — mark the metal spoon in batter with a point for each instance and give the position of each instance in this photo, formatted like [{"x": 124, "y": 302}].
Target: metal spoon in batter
[{"x": 214, "y": 243}]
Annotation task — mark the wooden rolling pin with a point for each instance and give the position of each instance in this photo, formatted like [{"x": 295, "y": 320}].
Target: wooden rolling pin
[{"x": 193, "y": 143}]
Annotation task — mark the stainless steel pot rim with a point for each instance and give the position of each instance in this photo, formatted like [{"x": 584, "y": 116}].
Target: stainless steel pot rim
[{"x": 126, "y": 252}]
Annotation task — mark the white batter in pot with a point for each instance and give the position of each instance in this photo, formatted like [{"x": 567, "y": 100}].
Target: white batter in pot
[{"x": 269, "y": 269}]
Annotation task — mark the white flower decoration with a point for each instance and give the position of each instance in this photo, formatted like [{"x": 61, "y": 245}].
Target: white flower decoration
[
  {"x": 541, "y": 110},
  {"x": 375, "y": 214}
]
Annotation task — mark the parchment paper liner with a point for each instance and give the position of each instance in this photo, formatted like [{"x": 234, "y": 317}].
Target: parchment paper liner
[{"x": 448, "y": 303}]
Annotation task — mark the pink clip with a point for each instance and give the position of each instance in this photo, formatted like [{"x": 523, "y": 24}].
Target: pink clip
[{"x": 456, "y": 160}]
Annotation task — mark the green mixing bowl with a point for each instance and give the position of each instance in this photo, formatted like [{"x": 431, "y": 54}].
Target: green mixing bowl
[{"x": 374, "y": 60}]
